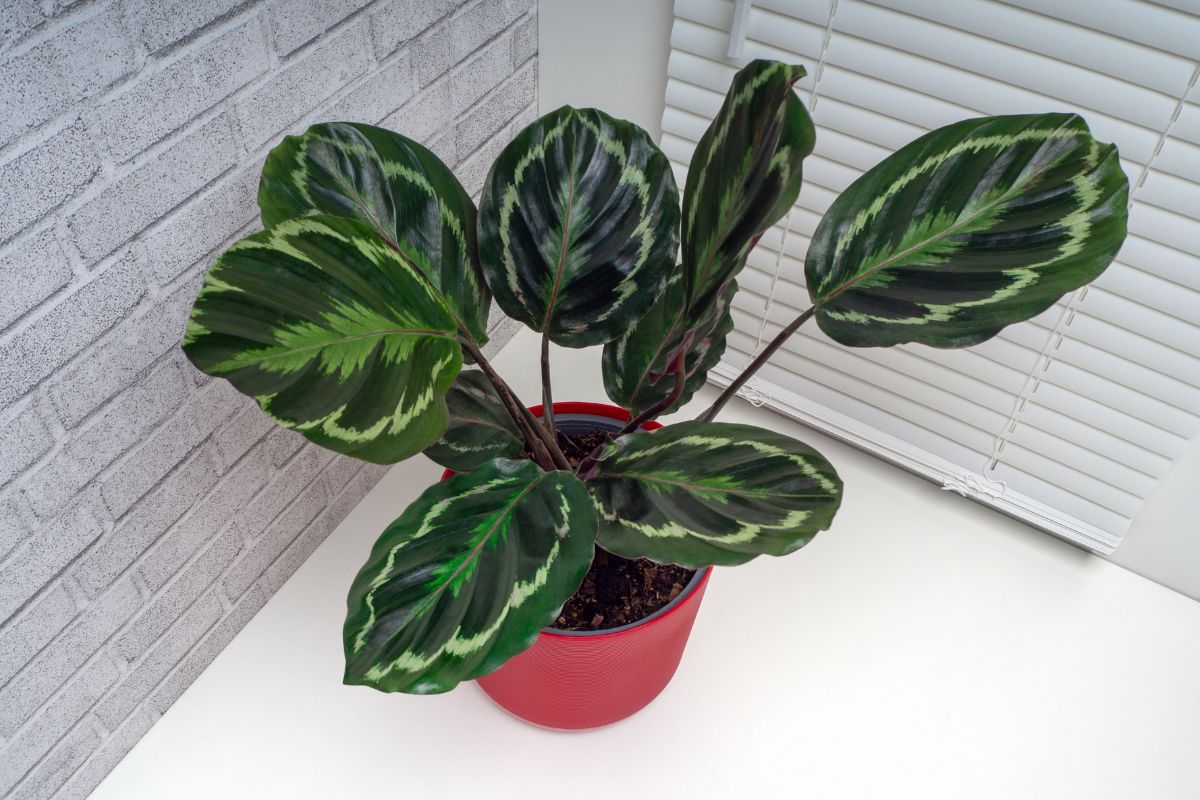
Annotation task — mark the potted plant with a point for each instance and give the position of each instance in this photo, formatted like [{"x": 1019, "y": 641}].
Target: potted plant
[{"x": 351, "y": 316}]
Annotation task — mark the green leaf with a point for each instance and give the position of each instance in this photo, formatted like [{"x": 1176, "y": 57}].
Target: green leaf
[
  {"x": 700, "y": 493},
  {"x": 578, "y": 226},
  {"x": 480, "y": 427},
  {"x": 396, "y": 187},
  {"x": 640, "y": 368},
  {"x": 744, "y": 176},
  {"x": 332, "y": 333},
  {"x": 968, "y": 229},
  {"x": 467, "y": 576}
]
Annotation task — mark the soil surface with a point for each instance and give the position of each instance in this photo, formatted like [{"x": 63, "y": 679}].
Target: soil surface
[{"x": 616, "y": 591}]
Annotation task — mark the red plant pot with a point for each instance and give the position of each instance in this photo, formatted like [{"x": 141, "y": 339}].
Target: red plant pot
[{"x": 575, "y": 680}]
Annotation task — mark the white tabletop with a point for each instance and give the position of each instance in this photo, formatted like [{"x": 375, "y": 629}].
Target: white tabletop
[{"x": 924, "y": 647}]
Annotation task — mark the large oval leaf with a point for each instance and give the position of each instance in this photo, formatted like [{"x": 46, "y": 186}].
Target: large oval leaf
[
  {"x": 744, "y": 176},
  {"x": 640, "y": 369},
  {"x": 700, "y": 493},
  {"x": 395, "y": 186},
  {"x": 578, "y": 226},
  {"x": 480, "y": 427},
  {"x": 467, "y": 576},
  {"x": 333, "y": 334},
  {"x": 968, "y": 229}
]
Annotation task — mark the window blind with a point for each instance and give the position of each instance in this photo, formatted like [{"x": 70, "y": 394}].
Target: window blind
[{"x": 1066, "y": 421}]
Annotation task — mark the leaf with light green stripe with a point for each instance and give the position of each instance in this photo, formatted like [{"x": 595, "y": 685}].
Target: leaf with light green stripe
[
  {"x": 744, "y": 176},
  {"x": 332, "y": 333},
  {"x": 480, "y": 427},
  {"x": 467, "y": 577},
  {"x": 397, "y": 188},
  {"x": 968, "y": 229},
  {"x": 578, "y": 226},
  {"x": 640, "y": 368},
  {"x": 700, "y": 493}
]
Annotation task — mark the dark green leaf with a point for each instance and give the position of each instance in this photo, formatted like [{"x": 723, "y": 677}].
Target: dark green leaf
[
  {"x": 399, "y": 189},
  {"x": 640, "y": 368},
  {"x": 968, "y": 229},
  {"x": 578, "y": 226},
  {"x": 744, "y": 176},
  {"x": 467, "y": 576},
  {"x": 699, "y": 493},
  {"x": 480, "y": 428},
  {"x": 332, "y": 333}
]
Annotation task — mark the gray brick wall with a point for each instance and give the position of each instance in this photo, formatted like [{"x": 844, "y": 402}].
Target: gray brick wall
[{"x": 146, "y": 511}]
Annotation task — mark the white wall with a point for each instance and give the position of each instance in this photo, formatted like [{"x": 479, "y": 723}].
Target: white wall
[
  {"x": 609, "y": 55},
  {"x": 613, "y": 55}
]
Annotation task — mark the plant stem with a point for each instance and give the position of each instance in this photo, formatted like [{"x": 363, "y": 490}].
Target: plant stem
[
  {"x": 586, "y": 466},
  {"x": 749, "y": 371},
  {"x": 541, "y": 454},
  {"x": 547, "y": 394}
]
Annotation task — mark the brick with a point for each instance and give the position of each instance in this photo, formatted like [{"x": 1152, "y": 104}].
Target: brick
[
  {"x": 162, "y": 23},
  {"x": 122, "y": 425},
  {"x": 116, "y": 551},
  {"x": 31, "y": 271},
  {"x": 209, "y": 648},
  {"x": 16, "y": 522},
  {"x": 74, "y": 323},
  {"x": 188, "y": 585},
  {"x": 20, "y": 17},
  {"x": 275, "y": 108},
  {"x": 274, "y": 541},
  {"x": 116, "y": 745},
  {"x": 63, "y": 760},
  {"x": 57, "y": 75},
  {"x": 45, "y": 730},
  {"x": 281, "y": 444},
  {"x": 395, "y": 23},
  {"x": 297, "y": 22},
  {"x": 241, "y": 433},
  {"x": 445, "y": 147},
  {"x": 169, "y": 445},
  {"x": 525, "y": 40},
  {"x": 46, "y": 553},
  {"x": 481, "y": 74},
  {"x": 285, "y": 485},
  {"x": 426, "y": 116},
  {"x": 34, "y": 629},
  {"x": 24, "y": 438},
  {"x": 339, "y": 473},
  {"x": 497, "y": 109},
  {"x": 145, "y": 194},
  {"x": 378, "y": 96},
  {"x": 431, "y": 54},
  {"x": 159, "y": 661},
  {"x": 198, "y": 228},
  {"x": 204, "y": 521},
  {"x": 480, "y": 23},
  {"x": 159, "y": 102},
  {"x": 120, "y": 359},
  {"x": 43, "y": 176},
  {"x": 55, "y": 665},
  {"x": 311, "y": 537}
]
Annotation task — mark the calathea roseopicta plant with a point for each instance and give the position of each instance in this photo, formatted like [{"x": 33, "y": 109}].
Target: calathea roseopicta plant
[{"x": 351, "y": 316}]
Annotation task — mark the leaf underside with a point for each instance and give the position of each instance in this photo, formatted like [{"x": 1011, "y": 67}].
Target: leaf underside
[
  {"x": 970, "y": 228},
  {"x": 467, "y": 577}
]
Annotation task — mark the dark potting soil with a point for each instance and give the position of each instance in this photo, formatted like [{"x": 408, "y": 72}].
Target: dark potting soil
[{"x": 616, "y": 591}]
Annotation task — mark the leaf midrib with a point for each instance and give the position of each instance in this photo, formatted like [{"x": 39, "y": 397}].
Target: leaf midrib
[{"x": 705, "y": 488}]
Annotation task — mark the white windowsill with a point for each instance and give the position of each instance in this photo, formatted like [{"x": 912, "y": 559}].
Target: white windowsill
[{"x": 924, "y": 647}]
